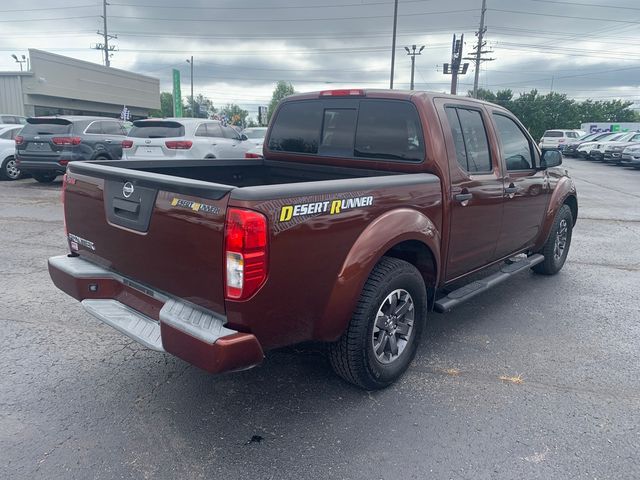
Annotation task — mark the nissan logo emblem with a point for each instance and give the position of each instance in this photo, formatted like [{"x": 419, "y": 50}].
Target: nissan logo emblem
[
  {"x": 127, "y": 189},
  {"x": 147, "y": 142}
]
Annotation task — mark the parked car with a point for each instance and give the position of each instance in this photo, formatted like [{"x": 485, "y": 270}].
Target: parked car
[
  {"x": 361, "y": 216},
  {"x": 9, "y": 119},
  {"x": 597, "y": 150},
  {"x": 556, "y": 139},
  {"x": 46, "y": 145},
  {"x": 585, "y": 148},
  {"x": 255, "y": 152},
  {"x": 571, "y": 148},
  {"x": 255, "y": 135},
  {"x": 631, "y": 156},
  {"x": 183, "y": 138},
  {"x": 8, "y": 167},
  {"x": 613, "y": 150}
]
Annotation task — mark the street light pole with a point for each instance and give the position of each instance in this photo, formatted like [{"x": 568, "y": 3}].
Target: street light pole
[
  {"x": 393, "y": 42},
  {"x": 192, "y": 105},
  {"x": 412, "y": 53}
]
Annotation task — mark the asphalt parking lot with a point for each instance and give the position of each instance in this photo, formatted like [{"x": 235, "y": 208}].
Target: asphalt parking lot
[{"x": 78, "y": 400}]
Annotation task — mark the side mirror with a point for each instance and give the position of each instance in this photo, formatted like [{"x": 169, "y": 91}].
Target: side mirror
[
  {"x": 550, "y": 158},
  {"x": 243, "y": 137}
]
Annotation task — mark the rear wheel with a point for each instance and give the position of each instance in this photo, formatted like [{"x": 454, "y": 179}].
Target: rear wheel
[
  {"x": 44, "y": 177},
  {"x": 9, "y": 169},
  {"x": 556, "y": 248},
  {"x": 385, "y": 330}
]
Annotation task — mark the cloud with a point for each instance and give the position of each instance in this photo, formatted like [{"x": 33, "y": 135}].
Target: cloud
[{"x": 242, "y": 47}]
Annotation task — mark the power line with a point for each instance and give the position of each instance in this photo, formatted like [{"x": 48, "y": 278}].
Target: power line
[
  {"x": 580, "y": 4},
  {"x": 48, "y": 19},
  {"x": 275, "y": 7},
  {"x": 278, "y": 20},
  {"x": 48, "y": 8},
  {"x": 634, "y": 22}
]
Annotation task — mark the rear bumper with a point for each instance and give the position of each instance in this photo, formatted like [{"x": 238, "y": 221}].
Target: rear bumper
[
  {"x": 43, "y": 166},
  {"x": 155, "y": 320}
]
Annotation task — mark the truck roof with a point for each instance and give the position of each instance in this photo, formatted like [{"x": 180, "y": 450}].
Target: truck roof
[{"x": 381, "y": 93}]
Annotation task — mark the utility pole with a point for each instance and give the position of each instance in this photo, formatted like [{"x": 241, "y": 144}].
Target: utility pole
[
  {"x": 477, "y": 56},
  {"x": 190, "y": 62},
  {"x": 393, "y": 42},
  {"x": 454, "y": 68},
  {"x": 412, "y": 53},
  {"x": 106, "y": 37}
]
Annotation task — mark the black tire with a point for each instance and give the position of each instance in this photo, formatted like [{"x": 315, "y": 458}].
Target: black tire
[
  {"x": 554, "y": 254},
  {"x": 353, "y": 356},
  {"x": 44, "y": 177},
  {"x": 9, "y": 169}
]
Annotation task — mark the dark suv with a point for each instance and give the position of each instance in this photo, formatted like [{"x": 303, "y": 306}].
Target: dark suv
[{"x": 47, "y": 144}]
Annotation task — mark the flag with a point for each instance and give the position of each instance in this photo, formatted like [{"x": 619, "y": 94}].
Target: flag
[{"x": 125, "y": 114}]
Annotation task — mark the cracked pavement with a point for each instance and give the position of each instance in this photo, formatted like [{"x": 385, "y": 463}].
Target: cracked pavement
[{"x": 79, "y": 400}]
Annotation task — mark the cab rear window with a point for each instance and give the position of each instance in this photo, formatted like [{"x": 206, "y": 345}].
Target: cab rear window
[
  {"x": 361, "y": 129},
  {"x": 148, "y": 129}
]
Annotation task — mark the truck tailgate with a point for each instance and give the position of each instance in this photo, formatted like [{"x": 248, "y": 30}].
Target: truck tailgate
[{"x": 150, "y": 229}]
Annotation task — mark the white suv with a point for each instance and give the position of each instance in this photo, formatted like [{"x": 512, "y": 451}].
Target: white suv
[
  {"x": 183, "y": 138},
  {"x": 558, "y": 138}
]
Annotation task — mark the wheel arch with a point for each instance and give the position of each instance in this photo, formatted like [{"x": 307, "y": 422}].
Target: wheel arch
[
  {"x": 415, "y": 240},
  {"x": 563, "y": 194}
]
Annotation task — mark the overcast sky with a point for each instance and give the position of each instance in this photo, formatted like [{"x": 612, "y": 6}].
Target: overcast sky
[{"x": 587, "y": 49}]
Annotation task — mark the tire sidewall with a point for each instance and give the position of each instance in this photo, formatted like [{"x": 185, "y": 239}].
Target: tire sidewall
[
  {"x": 564, "y": 213},
  {"x": 412, "y": 282}
]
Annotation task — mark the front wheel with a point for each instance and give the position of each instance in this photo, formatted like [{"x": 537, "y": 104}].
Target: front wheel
[
  {"x": 9, "y": 169},
  {"x": 556, "y": 248},
  {"x": 44, "y": 177},
  {"x": 385, "y": 330}
]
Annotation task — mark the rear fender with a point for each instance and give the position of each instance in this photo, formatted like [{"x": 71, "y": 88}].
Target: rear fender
[
  {"x": 386, "y": 231},
  {"x": 565, "y": 188}
]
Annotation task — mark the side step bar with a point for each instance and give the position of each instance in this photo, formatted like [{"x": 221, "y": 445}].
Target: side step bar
[{"x": 463, "y": 294}]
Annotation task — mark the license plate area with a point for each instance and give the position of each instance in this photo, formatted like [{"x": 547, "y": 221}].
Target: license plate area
[
  {"x": 149, "y": 151},
  {"x": 38, "y": 147}
]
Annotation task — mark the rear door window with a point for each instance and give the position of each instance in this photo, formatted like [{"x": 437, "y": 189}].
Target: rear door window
[
  {"x": 112, "y": 128},
  {"x": 152, "y": 129},
  {"x": 214, "y": 130},
  {"x": 94, "y": 129},
  {"x": 470, "y": 139},
  {"x": 201, "y": 131}
]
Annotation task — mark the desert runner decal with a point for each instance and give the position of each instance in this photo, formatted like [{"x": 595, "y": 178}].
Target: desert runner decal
[
  {"x": 195, "y": 206},
  {"x": 332, "y": 207}
]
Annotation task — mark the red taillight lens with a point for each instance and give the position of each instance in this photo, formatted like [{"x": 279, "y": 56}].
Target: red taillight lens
[
  {"x": 63, "y": 162},
  {"x": 19, "y": 140},
  {"x": 179, "y": 144},
  {"x": 127, "y": 143},
  {"x": 66, "y": 140},
  {"x": 246, "y": 238},
  {"x": 353, "y": 92},
  {"x": 252, "y": 155}
]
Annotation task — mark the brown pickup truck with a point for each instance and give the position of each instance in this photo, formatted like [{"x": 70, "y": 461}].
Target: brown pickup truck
[{"x": 367, "y": 207}]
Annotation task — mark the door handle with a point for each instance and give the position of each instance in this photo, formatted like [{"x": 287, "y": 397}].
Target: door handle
[
  {"x": 511, "y": 189},
  {"x": 214, "y": 144},
  {"x": 108, "y": 140},
  {"x": 463, "y": 197}
]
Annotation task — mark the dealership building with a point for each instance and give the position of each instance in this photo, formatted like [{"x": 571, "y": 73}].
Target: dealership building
[{"x": 58, "y": 85}]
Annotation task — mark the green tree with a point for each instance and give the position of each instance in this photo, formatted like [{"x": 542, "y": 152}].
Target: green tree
[
  {"x": 235, "y": 114},
  {"x": 166, "y": 106},
  {"x": 283, "y": 89}
]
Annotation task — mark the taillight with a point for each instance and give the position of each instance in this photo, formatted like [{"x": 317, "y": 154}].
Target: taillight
[
  {"x": 252, "y": 155},
  {"x": 179, "y": 144},
  {"x": 63, "y": 162},
  {"x": 353, "y": 92},
  {"x": 245, "y": 253},
  {"x": 66, "y": 140},
  {"x": 19, "y": 140},
  {"x": 127, "y": 143}
]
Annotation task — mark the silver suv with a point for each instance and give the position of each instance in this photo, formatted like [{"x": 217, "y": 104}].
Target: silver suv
[{"x": 183, "y": 138}]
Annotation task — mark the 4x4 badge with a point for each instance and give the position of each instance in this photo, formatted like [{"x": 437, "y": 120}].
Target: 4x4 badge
[{"x": 127, "y": 189}]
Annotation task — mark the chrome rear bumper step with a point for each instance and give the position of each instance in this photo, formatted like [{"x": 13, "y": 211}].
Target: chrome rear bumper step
[
  {"x": 134, "y": 325},
  {"x": 472, "y": 289}
]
